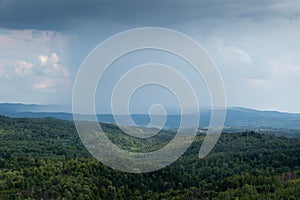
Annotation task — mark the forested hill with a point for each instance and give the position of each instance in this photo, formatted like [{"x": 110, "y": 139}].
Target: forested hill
[{"x": 44, "y": 159}]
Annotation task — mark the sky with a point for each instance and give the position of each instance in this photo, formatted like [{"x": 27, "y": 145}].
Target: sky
[{"x": 255, "y": 44}]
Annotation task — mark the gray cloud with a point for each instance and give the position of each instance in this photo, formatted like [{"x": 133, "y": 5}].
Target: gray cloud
[
  {"x": 61, "y": 15},
  {"x": 258, "y": 55}
]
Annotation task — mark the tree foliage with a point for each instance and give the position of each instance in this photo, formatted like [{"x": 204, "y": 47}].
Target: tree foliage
[{"x": 45, "y": 159}]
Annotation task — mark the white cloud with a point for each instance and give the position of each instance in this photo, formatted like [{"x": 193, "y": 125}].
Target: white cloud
[
  {"x": 234, "y": 54},
  {"x": 23, "y": 49},
  {"x": 43, "y": 60},
  {"x": 3, "y": 71},
  {"x": 231, "y": 54},
  {"x": 46, "y": 84},
  {"x": 54, "y": 59},
  {"x": 35, "y": 56},
  {"x": 258, "y": 83},
  {"x": 285, "y": 71},
  {"x": 23, "y": 68},
  {"x": 29, "y": 42},
  {"x": 54, "y": 68}
]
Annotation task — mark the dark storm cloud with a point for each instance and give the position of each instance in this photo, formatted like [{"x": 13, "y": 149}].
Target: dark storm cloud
[{"x": 60, "y": 15}]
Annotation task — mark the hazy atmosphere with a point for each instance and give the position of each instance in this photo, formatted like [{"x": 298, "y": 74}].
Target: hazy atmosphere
[{"x": 255, "y": 44}]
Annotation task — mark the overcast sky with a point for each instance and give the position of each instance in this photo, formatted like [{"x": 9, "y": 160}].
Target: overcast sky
[{"x": 255, "y": 44}]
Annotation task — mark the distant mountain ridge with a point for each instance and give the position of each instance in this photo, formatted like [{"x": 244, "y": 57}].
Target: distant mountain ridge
[
  {"x": 19, "y": 107},
  {"x": 235, "y": 116}
]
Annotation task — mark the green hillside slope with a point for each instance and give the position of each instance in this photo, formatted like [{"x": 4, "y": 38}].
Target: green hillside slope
[{"x": 44, "y": 159}]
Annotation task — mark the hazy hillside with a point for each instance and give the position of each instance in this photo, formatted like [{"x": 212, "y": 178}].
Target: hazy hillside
[
  {"x": 13, "y": 108},
  {"x": 236, "y": 117}
]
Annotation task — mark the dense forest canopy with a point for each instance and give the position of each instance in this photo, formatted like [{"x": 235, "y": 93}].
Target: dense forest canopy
[{"x": 45, "y": 159}]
